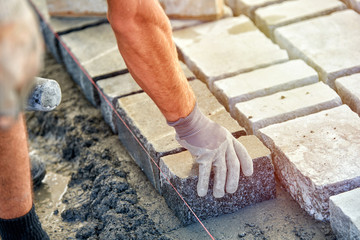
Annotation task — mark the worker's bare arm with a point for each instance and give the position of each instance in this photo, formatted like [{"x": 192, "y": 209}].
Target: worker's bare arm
[{"x": 144, "y": 38}]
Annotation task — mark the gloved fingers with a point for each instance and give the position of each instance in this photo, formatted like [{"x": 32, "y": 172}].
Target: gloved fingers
[
  {"x": 220, "y": 175},
  {"x": 205, "y": 163},
  {"x": 233, "y": 169},
  {"x": 246, "y": 162}
]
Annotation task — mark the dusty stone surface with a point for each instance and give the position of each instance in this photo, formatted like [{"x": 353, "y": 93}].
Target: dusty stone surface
[
  {"x": 181, "y": 170},
  {"x": 189, "y": 9},
  {"x": 77, "y": 8},
  {"x": 349, "y": 90},
  {"x": 316, "y": 156},
  {"x": 263, "y": 82},
  {"x": 248, "y": 7},
  {"x": 225, "y": 48},
  {"x": 317, "y": 44},
  {"x": 283, "y": 106},
  {"x": 345, "y": 214},
  {"x": 273, "y": 16},
  {"x": 156, "y": 136}
]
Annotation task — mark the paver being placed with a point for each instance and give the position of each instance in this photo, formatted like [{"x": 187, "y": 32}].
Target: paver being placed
[
  {"x": 182, "y": 172},
  {"x": 190, "y": 9},
  {"x": 225, "y": 48},
  {"x": 330, "y": 44},
  {"x": 148, "y": 124},
  {"x": 248, "y": 7},
  {"x": 349, "y": 90},
  {"x": 262, "y": 82},
  {"x": 316, "y": 156},
  {"x": 286, "y": 105},
  {"x": 273, "y": 16},
  {"x": 345, "y": 214}
]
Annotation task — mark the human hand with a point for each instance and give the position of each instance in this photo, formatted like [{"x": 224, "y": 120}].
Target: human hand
[
  {"x": 213, "y": 145},
  {"x": 21, "y": 50}
]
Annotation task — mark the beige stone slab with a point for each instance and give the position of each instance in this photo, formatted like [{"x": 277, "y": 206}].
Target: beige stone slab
[
  {"x": 283, "y": 106},
  {"x": 262, "y": 82},
  {"x": 225, "y": 48},
  {"x": 273, "y": 16},
  {"x": 148, "y": 119},
  {"x": 41, "y": 7},
  {"x": 118, "y": 86},
  {"x": 330, "y": 44},
  {"x": 60, "y": 24},
  {"x": 349, "y": 90},
  {"x": 248, "y": 7},
  {"x": 190, "y": 9},
  {"x": 77, "y": 8},
  {"x": 317, "y": 156}
]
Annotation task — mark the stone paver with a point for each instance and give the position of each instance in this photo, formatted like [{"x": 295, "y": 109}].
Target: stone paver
[
  {"x": 225, "y": 48},
  {"x": 330, "y": 44},
  {"x": 77, "y": 8},
  {"x": 189, "y": 9},
  {"x": 248, "y": 7},
  {"x": 345, "y": 215},
  {"x": 283, "y": 106},
  {"x": 349, "y": 90},
  {"x": 150, "y": 127},
  {"x": 273, "y": 16},
  {"x": 316, "y": 156},
  {"x": 181, "y": 170},
  {"x": 262, "y": 82}
]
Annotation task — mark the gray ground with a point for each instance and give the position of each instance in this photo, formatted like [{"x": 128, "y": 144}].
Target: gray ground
[{"x": 93, "y": 189}]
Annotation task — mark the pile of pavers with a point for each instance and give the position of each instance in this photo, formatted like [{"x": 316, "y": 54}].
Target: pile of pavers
[{"x": 283, "y": 72}]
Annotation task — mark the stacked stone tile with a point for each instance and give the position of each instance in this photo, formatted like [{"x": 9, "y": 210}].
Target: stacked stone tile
[
  {"x": 242, "y": 68},
  {"x": 248, "y": 7}
]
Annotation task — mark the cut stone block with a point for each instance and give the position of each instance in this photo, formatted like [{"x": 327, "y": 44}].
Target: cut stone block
[
  {"x": 345, "y": 215},
  {"x": 95, "y": 58},
  {"x": 41, "y": 8},
  {"x": 77, "y": 8},
  {"x": 316, "y": 156},
  {"x": 114, "y": 88},
  {"x": 264, "y": 81},
  {"x": 225, "y": 48},
  {"x": 248, "y": 7},
  {"x": 330, "y": 44},
  {"x": 283, "y": 106},
  {"x": 349, "y": 90},
  {"x": 273, "y": 16},
  {"x": 190, "y": 9},
  {"x": 182, "y": 172},
  {"x": 149, "y": 125}
]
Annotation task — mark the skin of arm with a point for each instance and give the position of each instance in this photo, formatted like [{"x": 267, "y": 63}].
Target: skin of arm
[{"x": 144, "y": 38}]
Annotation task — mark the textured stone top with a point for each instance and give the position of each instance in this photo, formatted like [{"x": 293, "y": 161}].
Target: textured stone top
[
  {"x": 77, "y": 8},
  {"x": 325, "y": 147}
]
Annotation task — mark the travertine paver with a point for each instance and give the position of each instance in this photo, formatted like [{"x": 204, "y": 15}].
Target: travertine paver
[
  {"x": 248, "y": 7},
  {"x": 190, "y": 9},
  {"x": 316, "y": 156},
  {"x": 182, "y": 171},
  {"x": 150, "y": 126},
  {"x": 330, "y": 44},
  {"x": 349, "y": 90},
  {"x": 283, "y": 106},
  {"x": 345, "y": 215},
  {"x": 273, "y": 16},
  {"x": 264, "y": 81},
  {"x": 225, "y": 48}
]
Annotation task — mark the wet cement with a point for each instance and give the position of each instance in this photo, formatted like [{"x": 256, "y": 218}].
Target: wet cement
[{"x": 94, "y": 190}]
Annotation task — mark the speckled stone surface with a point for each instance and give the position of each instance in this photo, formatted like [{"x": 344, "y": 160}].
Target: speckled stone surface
[
  {"x": 349, "y": 90},
  {"x": 181, "y": 170},
  {"x": 273, "y": 16},
  {"x": 316, "y": 156},
  {"x": 286, "y": 105},
  {"x": 263, "y": 82},
  {"x": 345, "y": 215},
  {"x": 317, "y": 44},
  {"x": 248, "y": 7},
  {"x": 149, "y": 125},
  {"x": 225, "y": 48}
]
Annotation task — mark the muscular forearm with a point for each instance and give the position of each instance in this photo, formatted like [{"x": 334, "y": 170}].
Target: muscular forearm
[{"x": 144, "y": 39}]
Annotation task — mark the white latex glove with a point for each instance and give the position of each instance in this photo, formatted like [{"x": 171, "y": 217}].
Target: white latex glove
[{"x": 213, "y": 146}]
